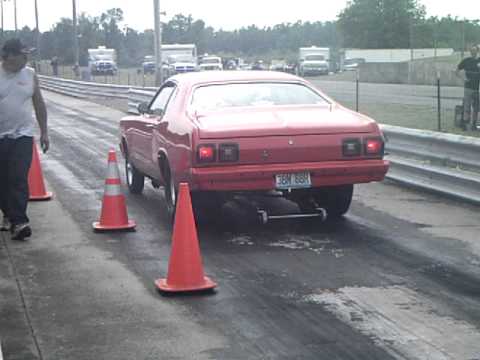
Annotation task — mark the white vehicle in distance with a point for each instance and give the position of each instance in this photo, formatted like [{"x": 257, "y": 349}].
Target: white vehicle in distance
[
  {"x": 313, "y": 61},
  {"x": 181, "y": 58},
  {"x": 352, "y": 64},
  {"x": 211, "y": 63},
  {"x": 102, "y": 61}
]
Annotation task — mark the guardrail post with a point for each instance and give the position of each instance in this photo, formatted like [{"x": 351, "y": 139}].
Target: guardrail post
[
  {"x": 357, "y": 82},
  {"x": 439, "y": 112}
]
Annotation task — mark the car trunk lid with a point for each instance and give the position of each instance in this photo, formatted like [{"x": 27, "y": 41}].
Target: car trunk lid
[
  {"x": 289, "y": 121},
  {"x": 285, "y": 136}
]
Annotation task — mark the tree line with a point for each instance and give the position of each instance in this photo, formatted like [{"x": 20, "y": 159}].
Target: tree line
[{"x": 366, "y": 24}]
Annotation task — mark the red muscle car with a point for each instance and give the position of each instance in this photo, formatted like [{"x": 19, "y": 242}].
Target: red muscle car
[{"x": 234, "y": 132}]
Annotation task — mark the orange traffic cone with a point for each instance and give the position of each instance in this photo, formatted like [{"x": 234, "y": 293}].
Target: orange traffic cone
[
  {"x": 185, "y": 270},
  {"x": 36, "y": 185},
  {"x": 114, "y": 211}
]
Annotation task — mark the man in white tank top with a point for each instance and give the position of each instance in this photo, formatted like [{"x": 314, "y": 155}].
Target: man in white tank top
[{"x": 19, "y": 89}]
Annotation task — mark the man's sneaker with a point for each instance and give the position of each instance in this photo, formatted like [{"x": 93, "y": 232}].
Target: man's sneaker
[
  {"x": 21, "y": 231},
  {"x": 5, "y": 224}
]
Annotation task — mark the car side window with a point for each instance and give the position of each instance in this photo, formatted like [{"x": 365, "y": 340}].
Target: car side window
[{"x": 159, "y": 104}]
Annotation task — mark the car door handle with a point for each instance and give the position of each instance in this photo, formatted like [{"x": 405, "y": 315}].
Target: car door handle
[{"x": 149, "y": 126}]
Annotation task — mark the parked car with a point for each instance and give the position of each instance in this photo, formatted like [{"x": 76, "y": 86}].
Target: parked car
[
  {"x": 148, "y": 64},
  {"x": 211, "y": 63},
  {"x": 278, "y": 65},
  {"x": 352, "y": 64},
  {"x": 259, "y": 65},
  {"x": 251, "y": 132}
]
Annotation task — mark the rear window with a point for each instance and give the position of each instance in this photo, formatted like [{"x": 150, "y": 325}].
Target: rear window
[
  {"x": 314, "y": 57},
  {"x": 213, "y": 97},
  {"x": 210, "y": 61}
]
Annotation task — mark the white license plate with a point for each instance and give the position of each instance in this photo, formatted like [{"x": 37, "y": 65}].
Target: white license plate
[{"x": 293, "y": 181}]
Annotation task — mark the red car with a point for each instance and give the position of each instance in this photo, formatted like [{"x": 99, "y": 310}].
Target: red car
[{"x": 251, "y": 132}]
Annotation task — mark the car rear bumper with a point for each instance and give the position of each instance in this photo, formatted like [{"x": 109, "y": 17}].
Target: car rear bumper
[{"x": 262, "y": 177}]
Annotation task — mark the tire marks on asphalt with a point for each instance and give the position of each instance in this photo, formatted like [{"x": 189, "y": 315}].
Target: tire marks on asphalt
[{"x": 405, "y": 323}]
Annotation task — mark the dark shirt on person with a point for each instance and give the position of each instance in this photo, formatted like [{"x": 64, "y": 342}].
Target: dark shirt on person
[{"x": 472, "y": 72}]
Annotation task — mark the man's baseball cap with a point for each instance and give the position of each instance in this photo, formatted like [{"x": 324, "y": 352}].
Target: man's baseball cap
[{"x": 15, "y": 47}]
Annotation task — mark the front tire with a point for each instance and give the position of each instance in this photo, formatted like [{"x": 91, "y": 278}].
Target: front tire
[
  {"x": 135, "y": 179},
  {"x": 170, "y": 193}
]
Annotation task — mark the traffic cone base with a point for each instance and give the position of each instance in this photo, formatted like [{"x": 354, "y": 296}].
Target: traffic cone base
[
  {"x": 47, "y": 196},
  {"x": 129, "y": 226},
  {"x": 163, "y": 285}
]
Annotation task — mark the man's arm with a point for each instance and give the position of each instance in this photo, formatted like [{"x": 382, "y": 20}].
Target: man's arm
[
  {"x": 41, "y": 115},
  {"x": 460, "y": 67}
]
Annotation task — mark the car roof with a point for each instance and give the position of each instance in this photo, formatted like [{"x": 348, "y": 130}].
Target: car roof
[{"x": 201, "y": 77}]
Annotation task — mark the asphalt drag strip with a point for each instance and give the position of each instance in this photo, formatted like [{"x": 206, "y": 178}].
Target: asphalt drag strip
[{"x": 397, "y": 278}]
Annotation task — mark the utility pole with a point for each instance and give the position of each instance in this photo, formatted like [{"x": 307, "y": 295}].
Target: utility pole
[
  {"x": 38, "y": 31},
  {"x": 411, "y": 38},
  {"x": 15, "y": 15},
  {"x": 75, "y": 35},
  {"x": 463, "y": 38},
  {"x": 1, "y": 2},
  {"x": 158, "y": 44}
]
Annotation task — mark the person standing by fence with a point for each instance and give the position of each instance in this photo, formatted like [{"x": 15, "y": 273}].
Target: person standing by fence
[{"x": 470, "y": 66}]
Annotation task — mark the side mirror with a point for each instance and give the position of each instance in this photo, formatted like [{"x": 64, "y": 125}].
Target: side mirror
[
  {"x": 143, "y": 108},
  {"x": 157, "y": 112}
]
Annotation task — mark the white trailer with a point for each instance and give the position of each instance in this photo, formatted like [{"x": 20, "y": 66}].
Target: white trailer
[{"x": 395, "y": 55}]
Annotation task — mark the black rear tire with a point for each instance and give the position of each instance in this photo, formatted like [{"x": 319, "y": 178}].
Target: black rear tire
[
  {"x": 207, "y": 206},
  {"x": 135, "y": 179},
  {"x": 335, "y": 199}
]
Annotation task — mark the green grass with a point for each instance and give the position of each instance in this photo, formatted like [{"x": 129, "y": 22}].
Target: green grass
[{"x": 412, "y": 116}]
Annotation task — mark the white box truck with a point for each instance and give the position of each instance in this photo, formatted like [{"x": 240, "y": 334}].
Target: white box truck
[
  {"x": 313, "y": 61},
  {"x": 102, "y": 61}
]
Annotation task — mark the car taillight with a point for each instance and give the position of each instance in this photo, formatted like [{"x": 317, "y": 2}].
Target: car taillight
[
  {"x": 228, "y": 152},
  {"x": 352, "y": 147},
  {"x": 373, "y": 146},
  {"x": 206, "y": 153}
]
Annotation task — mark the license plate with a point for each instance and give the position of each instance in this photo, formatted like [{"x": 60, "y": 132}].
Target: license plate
[{"x": 293, "y": 181}]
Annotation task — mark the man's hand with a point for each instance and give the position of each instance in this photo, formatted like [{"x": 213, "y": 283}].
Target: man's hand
[{"x": 44, "y": 142}]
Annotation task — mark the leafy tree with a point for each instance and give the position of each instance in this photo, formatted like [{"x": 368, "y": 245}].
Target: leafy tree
[{"x": 379, "y": 23}]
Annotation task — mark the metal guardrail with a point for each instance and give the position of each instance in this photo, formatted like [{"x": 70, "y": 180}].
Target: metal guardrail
[
  {"x": 442, "y": 163},
  {"x": 84, "y": 90},
  {"x": 137, "y": 96}
]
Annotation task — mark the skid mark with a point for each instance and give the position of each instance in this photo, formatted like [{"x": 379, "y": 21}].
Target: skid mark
[{"x": 403, "y": 322}]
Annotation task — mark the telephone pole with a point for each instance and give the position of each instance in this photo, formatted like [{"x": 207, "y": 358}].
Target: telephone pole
[
  {"x": 75, "y": 35},
  {"x": 1, "y": 2},
  {"x": 38, "y": 30},
  {"x": 158, "y": 44},
  {"x": 15, "y": 15}
]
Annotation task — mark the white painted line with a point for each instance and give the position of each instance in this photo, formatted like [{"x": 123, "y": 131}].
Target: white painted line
[
  {"x": 403, "y": 322},
  {"x": 1, "y": 352}
]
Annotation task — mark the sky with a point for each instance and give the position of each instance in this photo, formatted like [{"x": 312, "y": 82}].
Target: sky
[{"x": 220, "y": 14}]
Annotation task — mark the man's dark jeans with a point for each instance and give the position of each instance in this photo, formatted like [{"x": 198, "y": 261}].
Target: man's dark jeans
[{"x": 15, "y": 160}]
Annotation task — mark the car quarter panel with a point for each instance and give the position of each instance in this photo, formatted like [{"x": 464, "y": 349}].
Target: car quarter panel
[{"x": 173, "y": 138}]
